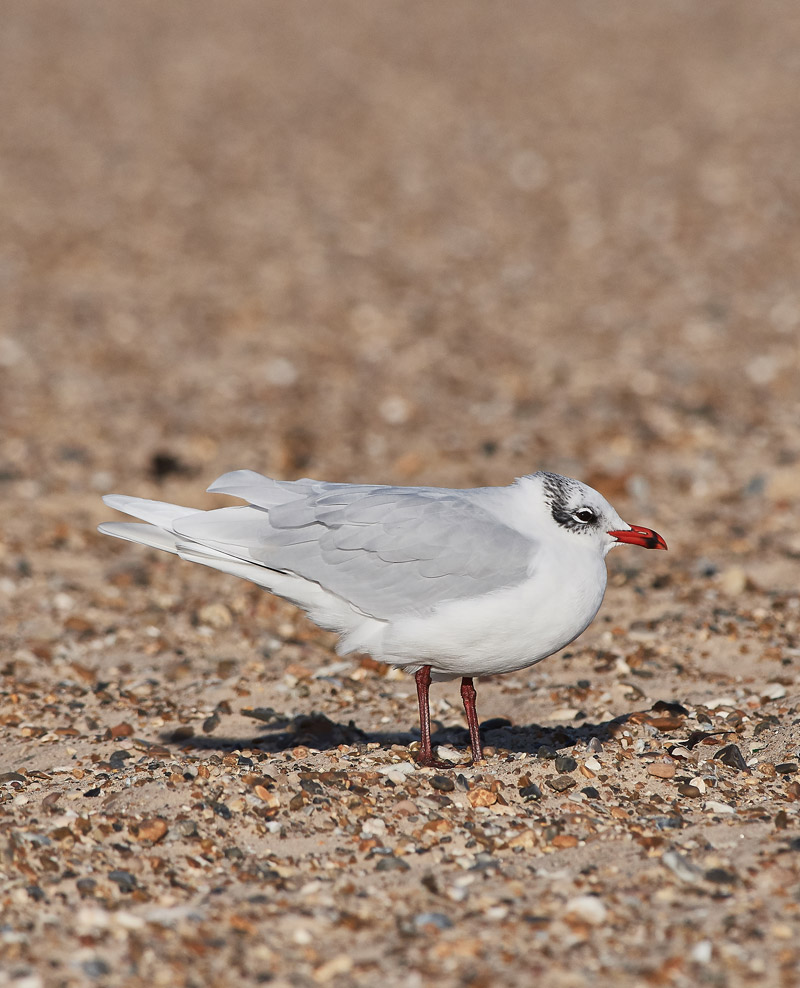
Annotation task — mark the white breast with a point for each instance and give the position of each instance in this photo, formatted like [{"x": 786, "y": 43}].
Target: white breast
[{"x": 502, "y": 631}]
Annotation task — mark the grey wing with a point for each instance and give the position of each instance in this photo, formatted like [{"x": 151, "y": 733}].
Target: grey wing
[{"x": 386, "y": 550}]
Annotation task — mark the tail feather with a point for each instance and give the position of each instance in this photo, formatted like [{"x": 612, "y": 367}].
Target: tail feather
[{"x": 164, "y": 531}]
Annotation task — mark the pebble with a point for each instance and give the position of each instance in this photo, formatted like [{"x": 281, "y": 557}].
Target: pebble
[
  {"x": 438, "y": 920},
  {"x": 661, "y": 770},
  {"x": 701, "y": 952},
  {"x": 334, "y": 968},
  {"x": 447, "y": 754},
  {"x": 732, "y": 756},
  {"x": 721, "y": 876},
  {"x": 587, "y": 908},
  {"x": 714, "y": 806},
  {"x": 443, "y": 783},
  {"x": 481, "y": 797},
  {"x": 124, "y": 879},
  {"x": 215, "y": 615},
  {"x": 565, "y": 763},
  {"x": 733, "y": 580},
  {"x": 681, "y": 866},
  {"x": 389, "y": 862},
  {"x": 151, "y": 829},
  {"x": 373, "y": 827},
  {"x": 400, "y": 772},
  {"x": 561, "y": 783}
]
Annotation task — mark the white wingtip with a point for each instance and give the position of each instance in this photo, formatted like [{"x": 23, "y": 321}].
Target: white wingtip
[
  {"x": 132, "y": 531},
  {"x": 159, "y": 513}
]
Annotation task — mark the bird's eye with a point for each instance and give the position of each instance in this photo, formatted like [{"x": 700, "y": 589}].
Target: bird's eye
[{"x": 585, "y": 516}]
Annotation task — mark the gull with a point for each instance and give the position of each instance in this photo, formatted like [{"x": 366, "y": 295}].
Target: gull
[{"x": 445, "y": 583}]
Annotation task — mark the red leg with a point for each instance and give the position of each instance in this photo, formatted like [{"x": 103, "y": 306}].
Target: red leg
[
  {"x": 423, "y": 678},
  {"x": 468, "y": 695}
]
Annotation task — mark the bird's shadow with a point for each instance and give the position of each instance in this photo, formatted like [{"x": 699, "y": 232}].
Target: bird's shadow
[{"x": 315, "y": 730}]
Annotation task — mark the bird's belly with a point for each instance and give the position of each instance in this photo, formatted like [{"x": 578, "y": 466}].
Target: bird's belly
[{"x": 500, "y": 632}]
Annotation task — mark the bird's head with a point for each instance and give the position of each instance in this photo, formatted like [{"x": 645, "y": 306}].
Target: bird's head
[{"x": 580, "y": 511}]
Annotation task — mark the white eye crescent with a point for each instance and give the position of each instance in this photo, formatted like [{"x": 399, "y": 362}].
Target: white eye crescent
[{"x": 585, "y": 516}]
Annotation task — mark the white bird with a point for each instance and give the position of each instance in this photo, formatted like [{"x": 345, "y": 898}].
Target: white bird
[{"x": 445, "y": 583}]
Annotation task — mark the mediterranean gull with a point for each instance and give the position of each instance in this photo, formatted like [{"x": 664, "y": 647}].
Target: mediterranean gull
[{"x": 445, "y": 583}]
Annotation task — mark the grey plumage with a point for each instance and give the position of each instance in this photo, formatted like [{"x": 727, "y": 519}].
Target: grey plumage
[{"x": 340, "y": 536}]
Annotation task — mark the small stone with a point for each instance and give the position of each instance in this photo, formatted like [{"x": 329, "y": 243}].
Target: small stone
[
  {"x": 443, "y": 783},
  {"x": 437, "y": 920},
  {"x": 221, "y": 810},
  {"x": 336, "y": 966},
  {"x": 689, "y": 790},
  {"x": 185, "y": 828},
  {"x": 786, "y": 768},
  {"x": 388, "y": 862},
  {"x": 95, "y": 968},
  {"x": 482, "y": 797},
  {"x": 732, "y": 756},
  {"x": 546, "y": 753},
  {"x": 702, "y": 952},
  {"x": 117, "y": 759},
  {"x": 405, "y": 807},
  {"x": 561, "y": 783},
  {"x": 733, "y": 580},
  {"x": 721, "y": 876},
  {"x": 714, "y": 806},
  {"x": 590, "y": 792},
  {"x": 661, "y": 770},
  {"x": 272, "y": 799},
  {"x": 182, "y": 733},
  {"x": 531, "y": 792},
  {"x": 564, "y": 840},
  {"x": 152, "y": 829},
  {"x": 588, "y": 909},
  {"x": 447, "y": 754},
  {"x": 215, "y": 615},
  {"x": 565, "y": 763},
  {"x": 124, "y": 879},
  {"x": 11, "y": 777},
  {"x": 681, "y": 866},
  {"x": 373, "y": 827}
]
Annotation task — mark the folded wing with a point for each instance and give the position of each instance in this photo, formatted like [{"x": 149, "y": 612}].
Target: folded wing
[{"x": 385, "y": 550}]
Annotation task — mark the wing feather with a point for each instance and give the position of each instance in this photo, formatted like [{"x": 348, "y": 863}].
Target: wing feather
[{"x": 386, "y": 550}]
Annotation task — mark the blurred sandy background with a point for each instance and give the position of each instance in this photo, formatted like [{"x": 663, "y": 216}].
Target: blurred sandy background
[{"x": 441, "y": 243}]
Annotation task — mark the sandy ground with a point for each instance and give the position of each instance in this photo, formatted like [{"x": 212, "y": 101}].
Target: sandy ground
[{"x": 443, "y": 243}]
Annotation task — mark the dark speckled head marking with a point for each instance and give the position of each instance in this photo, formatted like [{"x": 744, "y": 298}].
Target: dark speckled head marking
[{"x": 563, "y": 495}]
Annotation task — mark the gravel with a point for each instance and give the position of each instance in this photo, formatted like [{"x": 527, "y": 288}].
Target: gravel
[{"x": 403, "y": 244}]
